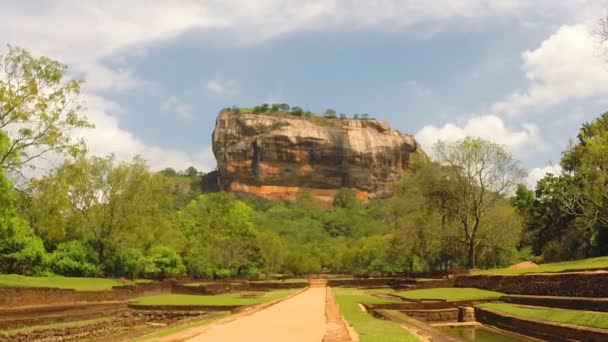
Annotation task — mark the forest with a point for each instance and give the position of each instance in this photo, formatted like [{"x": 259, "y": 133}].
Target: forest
[{"x": 464, "y": 207}]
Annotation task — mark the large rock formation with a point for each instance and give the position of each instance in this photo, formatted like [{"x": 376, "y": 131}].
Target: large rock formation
[{"x": 276, "y": 155}]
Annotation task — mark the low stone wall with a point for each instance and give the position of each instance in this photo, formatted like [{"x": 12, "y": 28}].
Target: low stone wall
[
  {"x": 549, "y": 331},
  {"x": 423, "y": 305},
  {"x": 563, "y": 284},
  {"x": 437, "y": 315},
  {"x": 220, "y": 287},
  {"x": 17, "y": 296},
  {"x": 98, "y": 329},
  {"x": 23, "y": 296},
  {"x": 16, "y": 317},
  {"x": 371, "y": 282},
  {"x": 574, "y": 303}
]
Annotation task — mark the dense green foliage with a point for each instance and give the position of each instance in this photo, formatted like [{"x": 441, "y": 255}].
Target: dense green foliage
[{"x": 566, "y": 216}]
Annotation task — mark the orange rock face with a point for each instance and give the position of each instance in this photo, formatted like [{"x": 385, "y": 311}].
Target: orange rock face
[{"x": 276, "y": 155}]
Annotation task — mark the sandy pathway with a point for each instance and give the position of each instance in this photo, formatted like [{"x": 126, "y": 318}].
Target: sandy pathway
[{"x": 298, "y": 319}]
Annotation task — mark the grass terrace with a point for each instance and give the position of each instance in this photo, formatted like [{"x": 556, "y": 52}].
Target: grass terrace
[
  {"x": 238, "y": 298},
  {"x": 576, "y": 265},
  {"x": 80, "y": 284},
  {"x": 585, "y": 318},
  {"x": 450, "y": 294},
  {"x": 370, "y": 329}
]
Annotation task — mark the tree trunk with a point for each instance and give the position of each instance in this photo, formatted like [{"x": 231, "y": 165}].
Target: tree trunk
[{"x": 472, "y": 255}]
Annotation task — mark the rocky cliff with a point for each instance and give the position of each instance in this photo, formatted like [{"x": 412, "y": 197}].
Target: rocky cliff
[{"x": 276, "y": 155}]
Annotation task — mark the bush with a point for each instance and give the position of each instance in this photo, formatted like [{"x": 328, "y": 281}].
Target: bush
[
  {"x": 251, "y": 273},
  {"x": 162, "y": 262},
  {"x": 199, "y": 265},
  {"x": 22, "y": 254},
  {"x": 223, "y": 273},
  {"x": 126, "y": 263},
  {"x": 74, "y": 259}
]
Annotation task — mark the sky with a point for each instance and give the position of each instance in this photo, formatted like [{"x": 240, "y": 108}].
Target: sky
[{"x": 525, "y": 74}]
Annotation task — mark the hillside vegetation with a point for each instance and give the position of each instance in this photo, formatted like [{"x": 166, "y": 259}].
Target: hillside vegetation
[{"x": 98, "y": 216}]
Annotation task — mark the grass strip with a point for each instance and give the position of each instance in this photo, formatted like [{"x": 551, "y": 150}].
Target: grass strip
[
  {"x": 370, "y": 329},
  {"x": 578, "y": 317},
  {"x": 583, "y": 264},
  {"x": 450, "y": 294}
]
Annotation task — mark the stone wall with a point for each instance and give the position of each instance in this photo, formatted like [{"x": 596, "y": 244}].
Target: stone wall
[
  {"x": 16, "y": 317},
  {"x": 22, "y": 296},
  {"x": 548, "y": 331},
  {"x": 98, "y": 329},
  {"x": 221, "y": 287},
  {"x": 437, "y": 315},
  {"x": 563, "y": 284}
]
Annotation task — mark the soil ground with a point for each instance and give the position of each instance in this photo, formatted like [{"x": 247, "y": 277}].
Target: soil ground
[{"x": 300, "y": 318}]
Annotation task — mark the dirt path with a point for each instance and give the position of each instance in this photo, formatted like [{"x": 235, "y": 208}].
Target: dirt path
[{"x": 297, "y": 319}]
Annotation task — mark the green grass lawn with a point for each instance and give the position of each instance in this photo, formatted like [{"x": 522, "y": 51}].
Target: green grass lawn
[
  {"x": 583, "y": 264},
  {"x": 586, "y": 318},
  {"x": 211, "y": 317},
  {"x": 223, "y": 299},
  {"x": 450, "y": 294},
  {"x": 81, "y": 284},
  {"x": 370, "y": 329}
]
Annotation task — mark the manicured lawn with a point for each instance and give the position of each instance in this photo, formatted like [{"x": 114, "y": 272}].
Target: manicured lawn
[
  {"x": 450, "y": 294},
  {"x": 211, "y": 317},
  {"x": 370, "y": 329},
  {"x": 81, "y": 284},
  {"x": 583, "y": 264},
  {"x": 586, "y": 318},
  {"x": 223, "y": 299}
]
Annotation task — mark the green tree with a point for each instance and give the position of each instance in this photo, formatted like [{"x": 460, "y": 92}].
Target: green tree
[
  {"x": 297, "y": 111},
  {"x": 39, "y": 107},
  {"x": 102, "y": 200},
  {"x": 220, "y": 225},
  {"x": 272, "y": 249},
  {"x": 482, "y": 174},
  {"x": 330, "y": 113}
]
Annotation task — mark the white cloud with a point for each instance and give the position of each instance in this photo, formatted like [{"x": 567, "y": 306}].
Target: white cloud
[
  {"x": 95, "y": 39},
  {"x": 566, "y": 66},
  {"x": 488, "y": 127},
  {"x": 183, "y": 110},
  {"x": 222, "y": 87},
  {"x": 538, "y": 173},
  {"x": 108, "y": 137}
]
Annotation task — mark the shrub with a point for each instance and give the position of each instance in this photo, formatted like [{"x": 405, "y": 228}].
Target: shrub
[
  {"x": 199, "y": 265},
  {"x": 22, "y": 254},
  {"x": 162, "y": 262},
  {"x": 75, "y": 259},
  {"x": 126, "y": 263}
]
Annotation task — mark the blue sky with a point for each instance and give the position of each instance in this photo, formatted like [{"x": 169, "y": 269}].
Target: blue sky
[{"x": 522, "y": 73}]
